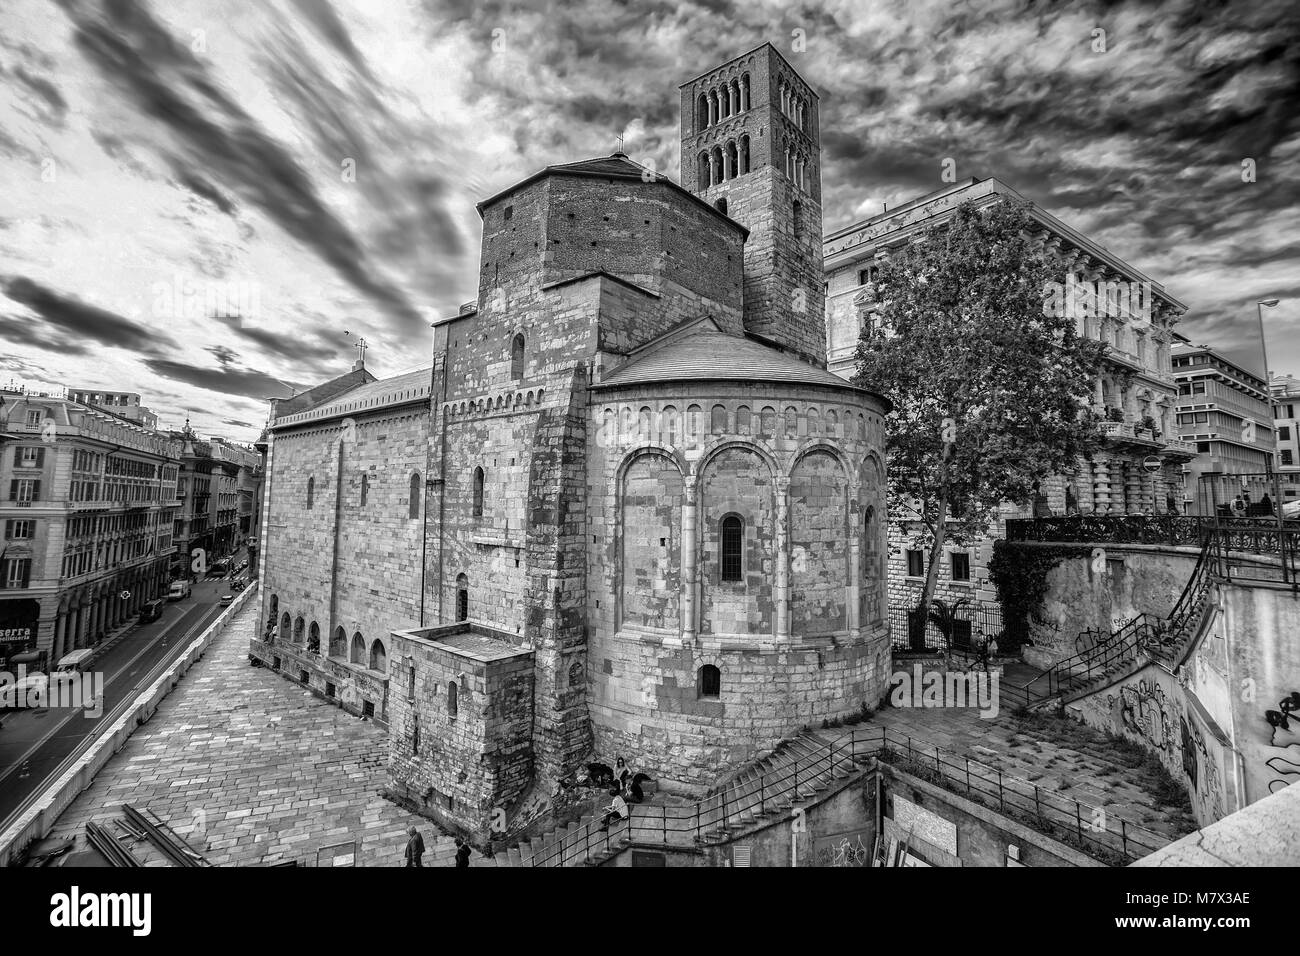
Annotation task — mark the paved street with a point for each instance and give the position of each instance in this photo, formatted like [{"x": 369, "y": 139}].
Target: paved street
[
  {"x": 252, "y": 770},
  {"x": 34, "y": 742}
]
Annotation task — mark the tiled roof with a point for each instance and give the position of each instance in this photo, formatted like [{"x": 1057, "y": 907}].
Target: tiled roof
[
  {"x": 616, "y": 165},
  {"x": 410, "y": 386},
  {"x": 710, "y": 355}
]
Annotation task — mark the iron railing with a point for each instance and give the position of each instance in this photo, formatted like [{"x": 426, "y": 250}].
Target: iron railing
[
  {"x": 1185, "y": 530},
  {"x": 972, "y": 624},
  {"x": 1100, "y": 652},
  {"x": 745, "y": 800},
  {"x": 1262, "y": 553}
]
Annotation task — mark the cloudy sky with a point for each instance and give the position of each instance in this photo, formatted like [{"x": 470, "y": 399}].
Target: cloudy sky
[{"x": 314, "y": 164}]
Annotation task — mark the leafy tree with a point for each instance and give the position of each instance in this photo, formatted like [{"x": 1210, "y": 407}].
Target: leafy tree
[{"x": 990, "y": 386}]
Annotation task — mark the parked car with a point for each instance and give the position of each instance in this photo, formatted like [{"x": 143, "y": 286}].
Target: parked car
[
  {"x": 178, "y": 590},
  {"x": 151, "y": 611}
]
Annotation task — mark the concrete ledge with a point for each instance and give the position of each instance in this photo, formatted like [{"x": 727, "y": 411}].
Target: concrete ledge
[
  {"x": 1266, "y": 833},
  {"x": 39, "y": 818}
]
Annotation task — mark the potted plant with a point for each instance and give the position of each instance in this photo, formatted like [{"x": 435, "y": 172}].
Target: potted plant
[{"x": 1114, "y": 413}]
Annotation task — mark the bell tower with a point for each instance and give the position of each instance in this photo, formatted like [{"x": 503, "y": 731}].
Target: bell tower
[{"x": 751, "y": 147}]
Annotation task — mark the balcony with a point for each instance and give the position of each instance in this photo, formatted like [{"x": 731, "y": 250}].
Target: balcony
[{"x": 1176, "y": 446}]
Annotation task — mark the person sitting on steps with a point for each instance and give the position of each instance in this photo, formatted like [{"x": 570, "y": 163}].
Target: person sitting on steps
[{"x": 617, "y": 809}]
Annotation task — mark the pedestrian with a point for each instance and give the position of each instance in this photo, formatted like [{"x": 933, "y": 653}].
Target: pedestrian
[
  {"x": 462, "y": 852},
  {"x": 414, "y": 848},
  {"x": 621, "y": 773},
  {"x": 617, "y": 809}
]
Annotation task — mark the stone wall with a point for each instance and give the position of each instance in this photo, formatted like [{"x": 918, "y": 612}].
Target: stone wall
[
  {"x": 1079, "y": 599},
  {"x": 732, "y": 450},
  {"x": 461, "y": 743}
]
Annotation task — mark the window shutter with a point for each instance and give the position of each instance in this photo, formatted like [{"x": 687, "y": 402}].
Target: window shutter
[
  {"x": 40, "y": 457},
  {"x": 13, "y": 489},
  {"x": 18, "y": 456},
  {"x": 27, "y": 572},
  {"x": 9, "y": 527},
  {"x": 36, "y": 490}
]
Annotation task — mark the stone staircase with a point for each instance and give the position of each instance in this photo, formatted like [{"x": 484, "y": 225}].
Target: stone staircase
[{"x": 797, "y": 770}]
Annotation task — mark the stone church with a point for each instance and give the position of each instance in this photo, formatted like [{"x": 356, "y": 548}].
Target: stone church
[{"x": 626, "y": 511}]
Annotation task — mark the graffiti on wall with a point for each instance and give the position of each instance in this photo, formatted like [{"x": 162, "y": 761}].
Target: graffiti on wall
[
  {"x": 1146, "y": 712},
  {"x": 1202, "y": 770},
  {"x": 1283, "y": 719}
]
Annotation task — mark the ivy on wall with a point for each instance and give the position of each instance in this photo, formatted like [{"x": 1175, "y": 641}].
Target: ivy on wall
[{"x": 1019, "y": 572}]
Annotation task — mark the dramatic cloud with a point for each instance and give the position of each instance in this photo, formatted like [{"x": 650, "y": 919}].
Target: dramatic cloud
[
  {"x": 316, "y": 162},
  {"x": 78, "y": 322}
]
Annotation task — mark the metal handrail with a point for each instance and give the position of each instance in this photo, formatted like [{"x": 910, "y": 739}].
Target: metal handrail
[{"x": 738, "y": 799}]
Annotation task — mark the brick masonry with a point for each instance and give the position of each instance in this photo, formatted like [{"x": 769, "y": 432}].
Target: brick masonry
[{"x": 579, "y": 529}]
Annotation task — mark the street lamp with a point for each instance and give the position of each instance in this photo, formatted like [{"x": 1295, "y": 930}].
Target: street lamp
[{"x": 1272, "y": 412}]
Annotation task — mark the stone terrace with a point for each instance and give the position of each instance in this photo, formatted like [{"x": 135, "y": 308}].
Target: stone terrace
[
  {"x": 1063, "y": 759},
  {"x": 251, "y": 769}
]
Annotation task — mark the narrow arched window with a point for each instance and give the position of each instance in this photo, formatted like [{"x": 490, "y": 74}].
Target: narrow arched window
[
  {"x": 313, "y": 638},
  {"x": 733, "y": 533},
  {"x": 462, "y": 598},
  {"x": 478, "y": 493},
  {"x": 517, "y": 357},
  {"x": 378, "y": 657},
  {"x": 365, "y": 489},
  {"x": 311, "y": 491},
  {"x": 415, "y": 495},
  {"x": 358, "y": 655},
  {"x": 339, "y": 643},
  {"x": 451, "y": 698},
  {"x": 710, "y": 681},
  {"x": 721, "y": 205},
  {"x": 299, "y": 629},
  {"x": 744, "y": 154}
]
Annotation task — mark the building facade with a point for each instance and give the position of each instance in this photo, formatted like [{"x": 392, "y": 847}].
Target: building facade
[
  {"x": 1224, "y": 411},
  {"x": 87, "y": 514},
  {"x": 123, "y": 404},
  {"x": 1286, "y": 410},
  {"x": 1135, "y": 392},
  {"x": 626, "y": 511}
]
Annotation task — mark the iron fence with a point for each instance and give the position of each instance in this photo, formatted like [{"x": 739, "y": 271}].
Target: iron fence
[
  {"x": 1253, "y": 495},
  {"x": 746, "y": 800},
  {"x": 964, "y": 629},
  {"x": 1110, "y": 529}
]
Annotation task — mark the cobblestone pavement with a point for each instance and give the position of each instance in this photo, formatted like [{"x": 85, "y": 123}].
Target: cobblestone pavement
[{"x": 252, "y": 769}]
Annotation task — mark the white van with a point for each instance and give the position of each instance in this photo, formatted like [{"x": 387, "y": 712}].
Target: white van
[
  {"x": 76, "y": 661},
  {"x": 178, "y": 590}
]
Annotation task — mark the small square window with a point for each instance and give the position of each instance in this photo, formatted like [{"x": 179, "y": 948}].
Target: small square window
[
  {"x": 509, "y": 213},
  {"x": 368, "y": 709}
]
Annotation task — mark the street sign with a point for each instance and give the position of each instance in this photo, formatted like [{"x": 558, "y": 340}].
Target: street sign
[{"x": 1152, "y": 464}]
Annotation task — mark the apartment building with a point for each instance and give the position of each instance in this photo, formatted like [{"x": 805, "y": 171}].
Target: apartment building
[
  {"x": 1140, "y": 468},
  {"x": 1224, "y": 411},
  {"x": 86, "y": 504}
]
